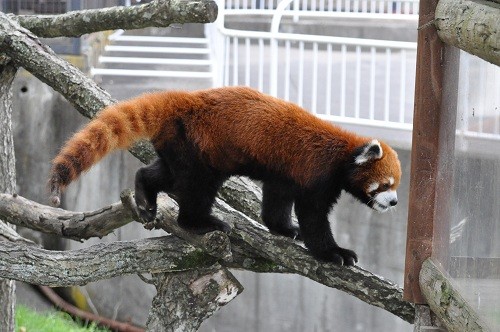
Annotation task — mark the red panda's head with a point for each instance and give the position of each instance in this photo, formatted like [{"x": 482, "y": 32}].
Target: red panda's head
[{"x": 375, "y": 175}]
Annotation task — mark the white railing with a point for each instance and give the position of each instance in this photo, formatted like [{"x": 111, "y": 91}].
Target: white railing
[
  {"x": 356, "y": 6},
  {"x": 363, "y": 84},
  {"x": 352, "y": 81}
]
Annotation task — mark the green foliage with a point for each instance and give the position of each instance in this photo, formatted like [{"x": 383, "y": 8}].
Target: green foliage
[{"x": 28, "y": 320}]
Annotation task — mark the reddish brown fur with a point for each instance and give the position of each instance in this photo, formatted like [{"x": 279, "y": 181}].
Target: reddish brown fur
[{"x": 230, "y": 126}]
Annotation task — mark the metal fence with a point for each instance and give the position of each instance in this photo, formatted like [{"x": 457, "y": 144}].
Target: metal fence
[
  {"x": 355, "y": 6},
  {"x": 353, "y": 81}
]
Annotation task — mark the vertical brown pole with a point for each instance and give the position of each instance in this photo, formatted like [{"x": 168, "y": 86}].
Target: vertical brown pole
[{"x": 432, "y": 152}]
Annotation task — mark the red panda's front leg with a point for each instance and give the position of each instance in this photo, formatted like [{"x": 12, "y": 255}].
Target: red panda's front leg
[
  {"x": 277, "y": 202},
  {"x": 312, "y": 212}
]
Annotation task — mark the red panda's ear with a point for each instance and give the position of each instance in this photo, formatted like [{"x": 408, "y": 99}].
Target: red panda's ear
[{"x": 367, "y": 152}]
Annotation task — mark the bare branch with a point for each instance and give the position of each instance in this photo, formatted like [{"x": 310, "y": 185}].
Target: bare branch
[
  {"x": 472, "y": 26},
  {"x": 288, "y": 253},
  {"x": 74, "y": 225},
  {"x": 446, "y": 302},
  {"x": 254, "y": 248},
  {"x": 156, "y": 13},
  {"x": 102, "y": 261},
  {"x": 26, "y": 50},
  {"x": 84, "y": 225}
]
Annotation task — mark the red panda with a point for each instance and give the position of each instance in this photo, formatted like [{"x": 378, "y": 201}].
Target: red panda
[{"x": 205, "y": 136}]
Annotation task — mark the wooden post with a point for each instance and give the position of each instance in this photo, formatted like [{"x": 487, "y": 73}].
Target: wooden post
[{"x": 432, "y": 151}]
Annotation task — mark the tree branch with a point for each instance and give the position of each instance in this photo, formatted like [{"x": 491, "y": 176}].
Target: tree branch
[
  {"x": 85, "y": 95},
  {"x": 472, "y": 26},
  {"x": 101, "y": 261},
  {"x": 445, "y": 300},
  {"x": 254, "y": 248},
  {"x": 156, "y": 13},
  {"x": 23, "y": 212},
  {"x": 7, "y": 183},
  {"x": 26, "y": 50}
]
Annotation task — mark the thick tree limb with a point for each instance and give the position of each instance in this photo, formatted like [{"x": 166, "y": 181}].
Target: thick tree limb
[
  {"x": 7, "y": 184},
  {"x": 156, "y": 13},
  {"x": 184, "y": 300},
  {"x": 102, "y": 261},
  {"x": 446, "y": 302},
  {"x": 473, "y": 26},
  {"x": 288, "y": 253},
  {"x": 85, "y": 95},
  {"x": 26, "y": 50},
  {"x": 73, "y": 225},
  {"x": 254, "y": 248}
]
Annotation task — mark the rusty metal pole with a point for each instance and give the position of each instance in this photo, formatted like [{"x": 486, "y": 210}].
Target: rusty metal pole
[{"x": 432, "y": 153}]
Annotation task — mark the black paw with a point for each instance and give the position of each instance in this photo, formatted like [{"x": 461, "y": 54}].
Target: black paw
[
  {"x": 339, "y": 256},
  {"x": 145, "y": 208},
  {"x": 291, "y": 231},
  {"x": 147, "y": 214},
  {"x": 349, "y": 257},
  {"x": 204, "y": 225}
]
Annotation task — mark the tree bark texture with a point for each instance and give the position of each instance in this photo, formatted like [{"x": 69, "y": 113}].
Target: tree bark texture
[
  {"x": 426, "y": 320},
  {"x": 252, "y": 248},
  {"x": 446, "y": 302},
  {"x": 7, "y": 184},
  {"x": 158, "y": 13},
  {"x": 473, "y": 26},
  {"x": 184, "y": 300},
  {"x": 38, "y": 266},
  {"x": 72, "y": 225}
]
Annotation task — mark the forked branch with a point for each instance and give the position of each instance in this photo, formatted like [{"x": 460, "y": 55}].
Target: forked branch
[{"x": 252, "y": 247}]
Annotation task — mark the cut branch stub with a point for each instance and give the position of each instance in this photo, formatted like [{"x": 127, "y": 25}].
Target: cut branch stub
[{"x": 185, "y": 299}]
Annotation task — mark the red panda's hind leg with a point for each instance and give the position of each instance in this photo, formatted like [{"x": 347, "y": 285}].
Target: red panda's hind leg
[
  {"x": 149, "y": 181},
  {"x": 196, "y": 192}
]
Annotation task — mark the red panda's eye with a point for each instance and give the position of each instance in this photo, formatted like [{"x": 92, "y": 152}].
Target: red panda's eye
[{"x": 385, "y": 186}]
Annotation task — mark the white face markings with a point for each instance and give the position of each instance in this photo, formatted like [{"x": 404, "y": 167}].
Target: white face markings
[
  {"x": 386, "y": 199},
  {"x": 372, "y": 187},
  {"x": 391, "y": 180}
]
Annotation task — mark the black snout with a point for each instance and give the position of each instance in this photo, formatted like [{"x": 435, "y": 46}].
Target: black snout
[{"x": 393, "y": 202}]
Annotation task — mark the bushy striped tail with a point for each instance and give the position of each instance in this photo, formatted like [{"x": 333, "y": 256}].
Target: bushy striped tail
[{"x": 116, "y": 127}]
